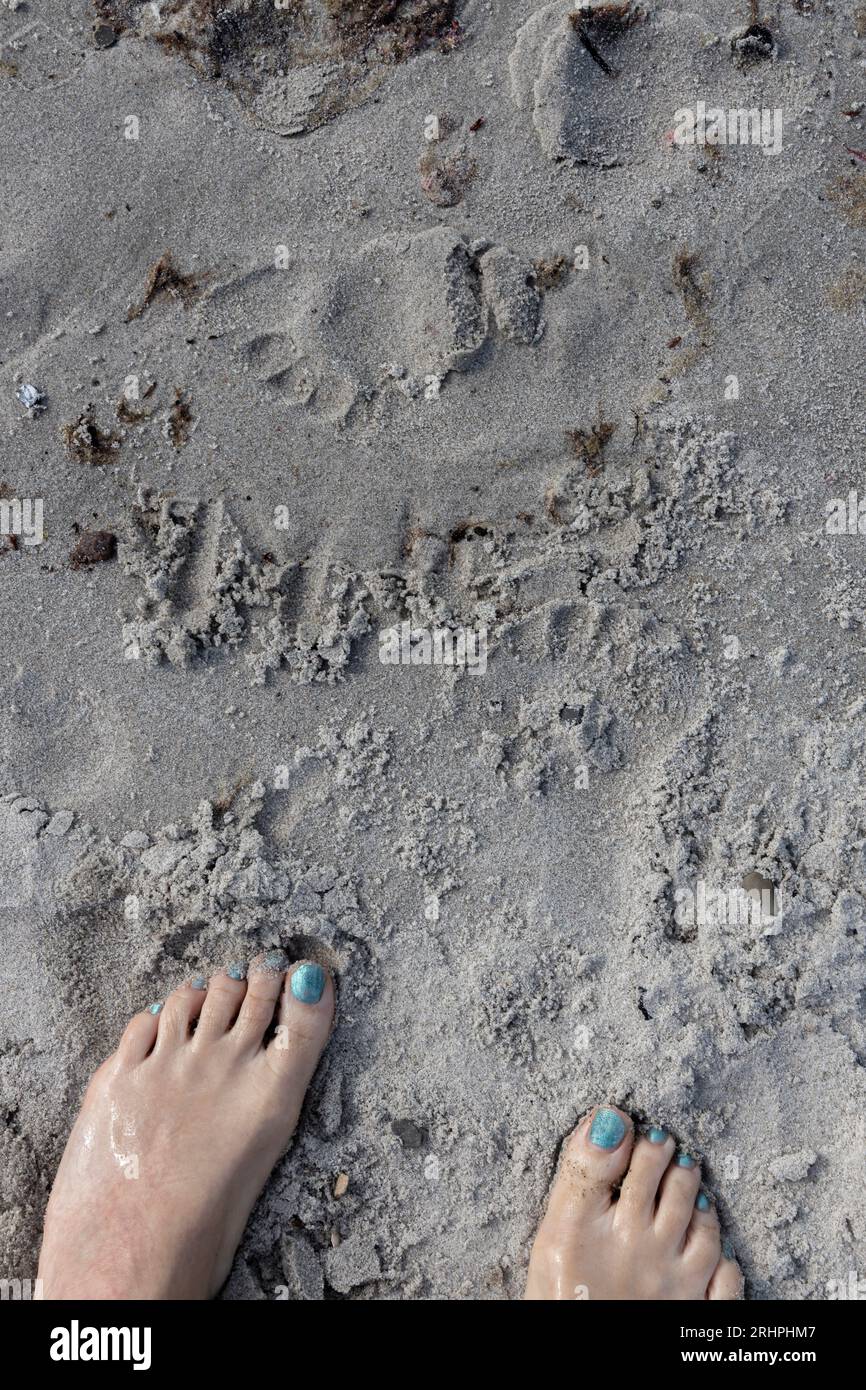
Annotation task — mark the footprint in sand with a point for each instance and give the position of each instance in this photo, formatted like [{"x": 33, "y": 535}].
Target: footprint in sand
[
  {"x": 392, "y": 322},
  {"x": 602, "y": 83}
]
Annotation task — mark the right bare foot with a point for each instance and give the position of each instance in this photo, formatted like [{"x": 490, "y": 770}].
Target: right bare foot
[{"x": 627, "y": 1219}]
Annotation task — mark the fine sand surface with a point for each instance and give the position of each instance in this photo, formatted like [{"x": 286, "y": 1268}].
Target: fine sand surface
[{"x": 308, "y": 372}]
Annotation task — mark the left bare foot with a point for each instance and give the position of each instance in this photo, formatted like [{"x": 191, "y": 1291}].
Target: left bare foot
[{"x": 178, "y": 1132}]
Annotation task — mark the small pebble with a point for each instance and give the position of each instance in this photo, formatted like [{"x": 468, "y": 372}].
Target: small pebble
[
  {"x": 136, "y": 839},
  {"x": 60, "y": 823},
  {"x": 411, "y": 1136},
  {"x": 104, "y": 36}
]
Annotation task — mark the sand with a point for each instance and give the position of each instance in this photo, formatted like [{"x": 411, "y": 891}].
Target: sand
[{"x": 344, "y": 318}]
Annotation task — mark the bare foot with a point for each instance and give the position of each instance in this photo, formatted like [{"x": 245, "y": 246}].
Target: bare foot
[
  {"x": 627, "y": 1219},
  {"x": 178, "y": 1132}
]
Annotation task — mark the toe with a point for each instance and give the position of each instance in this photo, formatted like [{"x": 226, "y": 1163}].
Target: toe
[
  {"x": 221, "y": 1004},
  {"x": 264, "y": 984},
  {"x": 677, "y": 1195},
  {"x": 703, "y": 1238},
  {"x": 594, "y": 1159},
  {"x": 304, "y": 1018},
  {"x": 138, "y": 1038},
  {"x": 727, "y": 1281},
  {"x": 652, "y": 1153},
  {"x": 181, "y": 1009}
]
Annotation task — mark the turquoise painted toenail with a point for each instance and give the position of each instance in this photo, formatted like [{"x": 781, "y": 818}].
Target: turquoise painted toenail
[
  {"x": 657, "y": 1136},
  {"x": 154, "y": 1008},
  {"x": 703, "y": 1202},
  {"x": 685, "y": 1161},
  {"x": 728, "y": 1250},
  {"x": 607, "y": 1129},
  {"x": 308, "y": 983},
  {"x": 199, "y": 982},
  {"x": 236, "y": 972}
]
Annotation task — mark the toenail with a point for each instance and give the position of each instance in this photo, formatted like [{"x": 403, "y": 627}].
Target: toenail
[
  {"x": 728, "y": 1250},
  {"x": 685, "y": 1161},
  {"x": 657, "y": 1136},
  {"x": 236, "y": 971},
  {"x": 703, "y": 1202},
  {"x": 274, "y": 960},
  {"x": 607, "y": 1129},
  {"x": 154, "y": 1008},
  {"x": 199, "y": 982},
  {"x": 308, "y": 983}
]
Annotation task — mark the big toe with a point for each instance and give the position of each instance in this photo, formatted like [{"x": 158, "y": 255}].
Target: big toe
[
  {"x": 594, "y": 1160},
  {"x": 305, "y": 1014}
]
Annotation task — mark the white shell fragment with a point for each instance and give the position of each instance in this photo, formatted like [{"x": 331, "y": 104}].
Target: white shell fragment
[{"x": 30, "y": 397}]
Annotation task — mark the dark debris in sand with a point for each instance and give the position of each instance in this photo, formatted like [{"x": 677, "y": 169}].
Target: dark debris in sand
[
  {"x": 550, "y": 273},
  {"x": 848, "y": 192},
  {"x": 602, "y": 24},
  {"x": 446, "y": 178},
  {"x": 179, "y": 422},
  {"x": 691, "y": 285},
  {"x": 590, "y": 444},
  {"x": 93, "y": 548},
  {"x": 87, "y": 443},
  {"x": 224, "y": 38},
  {"x": 164, "y": 280}
]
